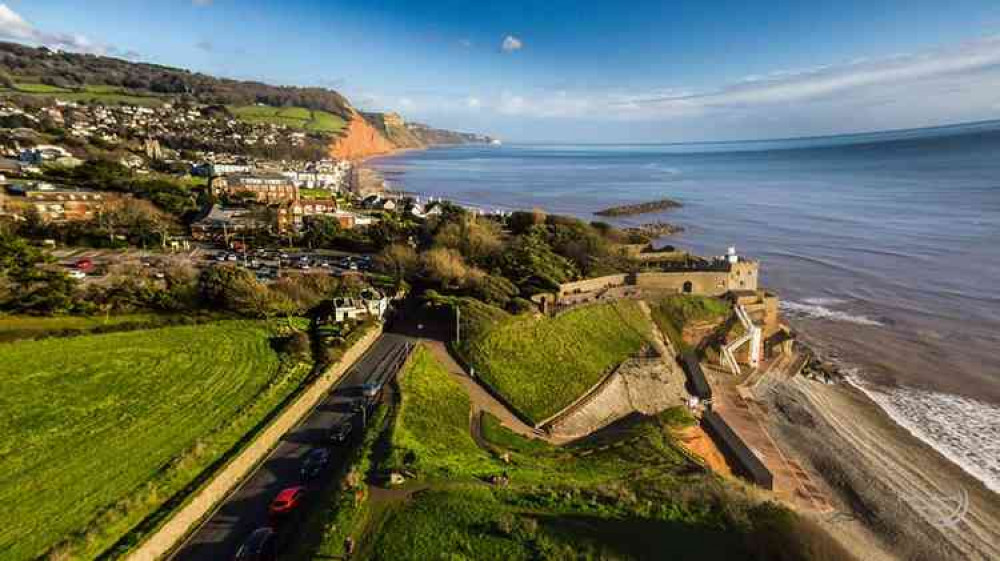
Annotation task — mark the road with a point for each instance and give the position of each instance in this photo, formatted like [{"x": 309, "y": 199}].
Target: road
[{"x": 246, "y": 509}]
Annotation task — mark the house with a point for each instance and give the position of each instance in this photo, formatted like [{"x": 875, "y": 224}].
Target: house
[
  {"x": 293, "y": 214},
  {"x": 56, "y": 203},
  {"x": 370, "y": 303},
  {"x": 378, "y": 202},
  {"x": 265, "y": 188},
  {"x": 221, "y": 223}
]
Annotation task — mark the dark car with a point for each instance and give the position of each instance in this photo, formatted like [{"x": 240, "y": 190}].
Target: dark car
[
  {"x": 287, "y": 501},
  {"x": 341, "y": 433},
  {"x": 261, "y": 545},
  {"x": 315, "y": 462}
]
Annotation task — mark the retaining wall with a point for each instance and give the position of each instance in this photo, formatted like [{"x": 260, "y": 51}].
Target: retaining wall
[{"x": 204, "y": 501}]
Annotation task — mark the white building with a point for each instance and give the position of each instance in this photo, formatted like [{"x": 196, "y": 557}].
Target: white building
[{"x": 371, "y": 303}]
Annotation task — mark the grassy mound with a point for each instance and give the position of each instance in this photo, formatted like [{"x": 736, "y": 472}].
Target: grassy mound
[
  {"x": 541, "y": 365},
  {"x": 101, "y": 430}
]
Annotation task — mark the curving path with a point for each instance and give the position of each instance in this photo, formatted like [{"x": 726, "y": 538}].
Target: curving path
[{"x": 482, "y": 401}]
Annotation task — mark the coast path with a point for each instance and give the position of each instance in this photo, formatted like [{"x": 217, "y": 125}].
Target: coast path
[{"x": 916, "y": 474}]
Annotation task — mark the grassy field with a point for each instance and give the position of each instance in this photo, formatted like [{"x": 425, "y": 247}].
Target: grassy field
[
  {"x": 541, "y": 365},
  {"x": 298, "y": 118},
  {"x": 102, "y": 94},
  {"x": 101, "y": 430},
  {"x": 14, "y": 328},
  {"x": 674, "y": 313}
]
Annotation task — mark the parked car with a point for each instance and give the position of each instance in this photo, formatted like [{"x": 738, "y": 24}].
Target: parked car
[
  {"x": 341, "y": 433},
  {"x": 287, "y": 501},
  {"x": 315, "y": 462},
  {"x": 77, "y": 274},
  {"x": 261, "y": 545}
]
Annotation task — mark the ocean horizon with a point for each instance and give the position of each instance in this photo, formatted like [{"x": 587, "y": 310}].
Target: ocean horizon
[{"x": 880, "y": 245}]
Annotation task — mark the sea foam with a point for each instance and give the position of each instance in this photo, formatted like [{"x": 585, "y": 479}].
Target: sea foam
[
  {"x": 964, "y": 430},
  {"x": 819, "y": 308}
]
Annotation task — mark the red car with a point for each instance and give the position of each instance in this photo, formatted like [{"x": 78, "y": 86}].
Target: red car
[{"x": 287, "y": 501}]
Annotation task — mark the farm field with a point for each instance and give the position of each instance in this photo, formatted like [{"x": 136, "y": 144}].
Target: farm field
[
  {"x": 298, "y": 118},
  {"x": 541, "y": 365},
  {"x": 104, "y": 94},
  {"x": 100, "y": 431}
]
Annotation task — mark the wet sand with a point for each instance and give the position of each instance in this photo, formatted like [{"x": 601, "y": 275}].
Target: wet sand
[{"x": 895, "y": 496}]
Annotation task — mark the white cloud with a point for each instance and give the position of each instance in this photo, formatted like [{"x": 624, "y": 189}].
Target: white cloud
[
  {"x": 473, "y": 103},
  {"x": 511, "y": 44},
  {"x": 466, "y": 43},
  {"x": 13, "y": 27}
]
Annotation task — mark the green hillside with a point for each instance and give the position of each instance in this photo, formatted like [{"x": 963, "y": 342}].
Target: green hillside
[{"x": 298, "y": 118}]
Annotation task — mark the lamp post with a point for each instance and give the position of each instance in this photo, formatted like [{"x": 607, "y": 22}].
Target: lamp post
[{"x": 458, "y": 325}]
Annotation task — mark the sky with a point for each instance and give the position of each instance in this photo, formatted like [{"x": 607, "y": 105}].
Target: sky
[{"x": 574, "y": 71}]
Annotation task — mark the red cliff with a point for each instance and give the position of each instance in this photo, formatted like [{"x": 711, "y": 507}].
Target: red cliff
[{"x": 360, "y": 140}]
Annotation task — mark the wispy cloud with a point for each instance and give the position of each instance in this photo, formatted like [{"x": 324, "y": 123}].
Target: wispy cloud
[
  {"x": 511, "y": 44},
  {"x": 13, "y": 27},
  {"x": 863, "y": 75}
]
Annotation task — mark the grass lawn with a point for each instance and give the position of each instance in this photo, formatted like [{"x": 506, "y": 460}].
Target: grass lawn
[
  {"x": 673, "y": 313},
  {"x": 431, "y": 435},
  {"x": 298, "y": 118},
  {"x": 541, "y": 365},
  {"x": 101, "y": 430}
]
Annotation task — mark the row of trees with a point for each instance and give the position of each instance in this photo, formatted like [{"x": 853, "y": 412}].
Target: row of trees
[
  {"x": 502, "y": 262},
  {"x": 30, "y": 283},
  {"x": 74, "y": 70}
]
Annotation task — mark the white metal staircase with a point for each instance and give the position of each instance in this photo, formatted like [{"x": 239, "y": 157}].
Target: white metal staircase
[{"x": 752, "y": 335}]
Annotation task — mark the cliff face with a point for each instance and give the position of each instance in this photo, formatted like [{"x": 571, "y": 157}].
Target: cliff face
[{"x": 360, "y": 140}]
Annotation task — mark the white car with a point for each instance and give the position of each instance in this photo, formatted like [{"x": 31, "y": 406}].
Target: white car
[{"x": 77, "y": 274}]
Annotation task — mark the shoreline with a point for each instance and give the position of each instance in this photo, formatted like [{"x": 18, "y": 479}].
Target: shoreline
[
  {"x": 898, "y": 422},
  {"x": 889, "y": 484}
]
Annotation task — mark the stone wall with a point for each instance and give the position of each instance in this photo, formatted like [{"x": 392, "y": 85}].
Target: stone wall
[
  {"x": 203, "y": 502},
  {"x": 592, "y": 285},
  {"x": 642, "y": 385},
  {"x": 706, "y": 283}
]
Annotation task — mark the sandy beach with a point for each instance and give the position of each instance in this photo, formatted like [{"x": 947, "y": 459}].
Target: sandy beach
[{"x": 895, "y": 496}]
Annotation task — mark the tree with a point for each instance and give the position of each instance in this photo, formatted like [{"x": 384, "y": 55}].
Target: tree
[
  {"x": 445, "y": 267},
  {"x": 235, "y": 289},
  {"x": 398, "y": 260}
]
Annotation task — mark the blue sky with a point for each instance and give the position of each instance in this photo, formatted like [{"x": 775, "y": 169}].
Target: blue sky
[{"x": 555, "y": 70}]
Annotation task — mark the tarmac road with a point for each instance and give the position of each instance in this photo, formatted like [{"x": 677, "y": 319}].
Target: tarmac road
[{"x": 246, "y": 509}]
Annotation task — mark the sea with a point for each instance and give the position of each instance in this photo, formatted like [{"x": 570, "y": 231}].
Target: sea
[{"x": 884, "y": 247}]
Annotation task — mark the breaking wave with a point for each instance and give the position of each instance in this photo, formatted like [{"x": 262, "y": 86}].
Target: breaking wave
[
  {"x": 964, "y": 430},
  {"x": 819, "y": 308}
]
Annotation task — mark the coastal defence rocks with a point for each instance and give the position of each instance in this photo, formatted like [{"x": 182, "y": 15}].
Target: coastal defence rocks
[
  {"x": 360, "y": 140},
  {"x": 639, "y": 208}
]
